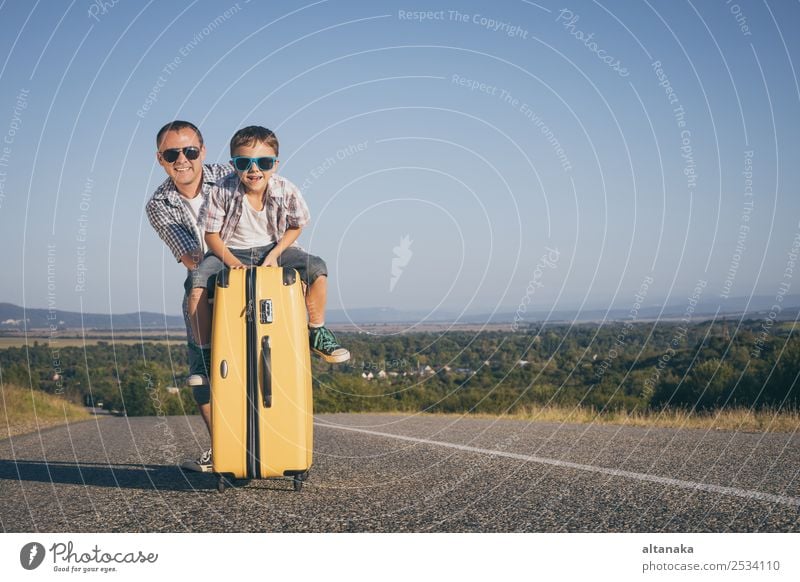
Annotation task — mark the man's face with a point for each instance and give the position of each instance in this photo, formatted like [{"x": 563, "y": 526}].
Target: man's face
[
  {"x": 254, "y": 179},
  {"x": 187, "y": 174}
]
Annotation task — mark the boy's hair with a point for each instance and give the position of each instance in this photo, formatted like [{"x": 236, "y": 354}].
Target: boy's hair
[
  {"x": 177, "y": 125},
  {"x": 251, "y": 135}
]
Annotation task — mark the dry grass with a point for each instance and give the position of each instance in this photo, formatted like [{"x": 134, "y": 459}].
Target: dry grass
[
  {"x": 24, "y": 410},
  {"x": 59, "y": 343},
  {"x": 733, "y": 419}
]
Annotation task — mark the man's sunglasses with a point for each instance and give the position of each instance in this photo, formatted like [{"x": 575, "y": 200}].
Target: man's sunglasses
[
  {"x": 242, "y": 163},
  {"x": 191, "y": 153}
]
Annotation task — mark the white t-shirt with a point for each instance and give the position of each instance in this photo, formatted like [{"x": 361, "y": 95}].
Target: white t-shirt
[
  {"x": 252, "y": 229},
  {"x": 193, "y": 205}
]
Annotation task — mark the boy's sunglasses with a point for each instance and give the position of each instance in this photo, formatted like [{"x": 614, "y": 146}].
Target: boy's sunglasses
[
  {"x": 242, "y": 163},
  {"x": 191, "y": 153}
]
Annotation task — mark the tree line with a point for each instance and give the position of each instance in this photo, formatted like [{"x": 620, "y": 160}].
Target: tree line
[{"x": 641, "y": 366}]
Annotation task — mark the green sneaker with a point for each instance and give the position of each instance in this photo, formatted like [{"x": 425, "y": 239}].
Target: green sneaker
[{"x": 324, "y": 344}]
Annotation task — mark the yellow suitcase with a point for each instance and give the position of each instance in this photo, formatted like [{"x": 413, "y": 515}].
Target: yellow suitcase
[{"x": 261, "y": 403}]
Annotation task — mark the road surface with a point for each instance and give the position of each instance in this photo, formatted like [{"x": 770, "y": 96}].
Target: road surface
[{"x": 393, "y": 473}]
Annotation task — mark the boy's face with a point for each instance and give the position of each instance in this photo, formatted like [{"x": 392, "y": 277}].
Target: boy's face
[{"x": 254, "y": 179}]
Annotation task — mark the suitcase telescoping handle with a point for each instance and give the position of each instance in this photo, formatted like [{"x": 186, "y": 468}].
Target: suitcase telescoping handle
[{"x": 266, "y": 367}]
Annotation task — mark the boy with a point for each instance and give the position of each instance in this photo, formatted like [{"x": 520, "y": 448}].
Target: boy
[{"x": 254, "y": 218}]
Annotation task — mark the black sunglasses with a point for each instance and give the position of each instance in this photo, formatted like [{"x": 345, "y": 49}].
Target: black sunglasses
[
  {"x": 170, "y": 155},
  {"x": 242, "y": 163}
]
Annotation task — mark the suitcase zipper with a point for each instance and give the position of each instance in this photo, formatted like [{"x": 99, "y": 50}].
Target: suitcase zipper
[{"x": 253, "y": 440}]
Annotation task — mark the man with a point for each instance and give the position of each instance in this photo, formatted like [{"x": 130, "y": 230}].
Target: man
[{"x": 177, "y": 212}]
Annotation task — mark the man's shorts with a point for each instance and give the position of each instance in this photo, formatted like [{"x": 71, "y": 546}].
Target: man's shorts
[{"x": 205, "y": 275}]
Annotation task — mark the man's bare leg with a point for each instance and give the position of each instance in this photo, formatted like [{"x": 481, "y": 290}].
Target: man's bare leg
[
  {"x": 200, "y": 316},
  {"x": 205, "y": 412}
]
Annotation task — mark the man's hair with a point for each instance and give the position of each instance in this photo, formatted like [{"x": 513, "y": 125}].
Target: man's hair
[
  {"x": 251, "y": 135},
  {"x": 177, "y": 126}
]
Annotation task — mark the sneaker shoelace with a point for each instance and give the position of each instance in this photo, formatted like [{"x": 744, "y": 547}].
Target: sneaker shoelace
[
  {"x": 205, "y": 458},
  {"x": 325, "y": 340}
]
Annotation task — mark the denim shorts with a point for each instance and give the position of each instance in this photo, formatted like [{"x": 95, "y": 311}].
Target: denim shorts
[
  {"x": 309, "y": 267},
  {"x": 205, "y": 274}
]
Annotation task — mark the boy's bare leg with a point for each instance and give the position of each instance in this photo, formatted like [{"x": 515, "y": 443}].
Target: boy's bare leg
[{"x": 316, "y": 298}]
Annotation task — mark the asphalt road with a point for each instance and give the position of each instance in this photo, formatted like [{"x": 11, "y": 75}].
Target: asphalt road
[{"x": 397, "y": 473}]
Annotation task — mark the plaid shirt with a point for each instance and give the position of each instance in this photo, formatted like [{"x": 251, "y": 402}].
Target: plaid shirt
[
  {"x": 172, "y": 221},
  {"x": 285, "y": 207}
]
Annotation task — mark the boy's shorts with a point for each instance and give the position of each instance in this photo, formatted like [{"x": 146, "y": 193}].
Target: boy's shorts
[{"x": 309, "y": 267}]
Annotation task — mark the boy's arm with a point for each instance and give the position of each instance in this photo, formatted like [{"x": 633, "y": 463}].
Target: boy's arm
[
  {"x": 287, "y": 240},
  {"x": 215, "y": 219},
  {"x": 215, "y": 244},
  {"x": 297, "y": 216}
]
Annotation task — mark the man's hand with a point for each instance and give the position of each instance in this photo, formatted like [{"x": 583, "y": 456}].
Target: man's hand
[
  {"x": 192, "y": 259},
  {"x": 236, "y": 264}
]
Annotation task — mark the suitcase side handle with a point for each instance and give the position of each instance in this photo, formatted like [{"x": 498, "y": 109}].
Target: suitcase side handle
[{"x": 266, "y": 367}]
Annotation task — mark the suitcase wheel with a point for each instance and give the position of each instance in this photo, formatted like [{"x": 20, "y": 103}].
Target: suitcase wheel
[
  {"x": 222, "y": 483},
  {"x": 298, "y": 480}
]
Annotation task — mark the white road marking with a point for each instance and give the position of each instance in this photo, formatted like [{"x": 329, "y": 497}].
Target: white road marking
[{"x": 745, "y": 493}]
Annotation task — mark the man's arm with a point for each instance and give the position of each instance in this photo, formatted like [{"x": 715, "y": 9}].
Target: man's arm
[
  {"x": 192, "y": 260},
  {"x": 180, "y": 240},
  {"x": 216, "y": 246},
  {"x": 287, "y": 240}
]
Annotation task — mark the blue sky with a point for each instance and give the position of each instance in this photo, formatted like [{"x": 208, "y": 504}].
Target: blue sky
[{"x": 486, "y": 134}]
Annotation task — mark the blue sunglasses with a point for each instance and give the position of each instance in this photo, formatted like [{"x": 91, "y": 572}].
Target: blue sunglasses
[{"x": 242, "y": 164}]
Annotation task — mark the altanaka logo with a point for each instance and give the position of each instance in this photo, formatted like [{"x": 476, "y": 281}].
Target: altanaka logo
[{"x": 32, "y": 555}]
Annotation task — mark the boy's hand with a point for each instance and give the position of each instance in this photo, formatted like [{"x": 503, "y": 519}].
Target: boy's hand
[
  {"x": 271, "y": 260},
  {"x": 237, "y": 264}
]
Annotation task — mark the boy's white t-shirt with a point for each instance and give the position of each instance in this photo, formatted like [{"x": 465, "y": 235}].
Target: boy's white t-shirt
[
  {"x": 252, "y": 229},
  {"x": 193, "y": 205}
]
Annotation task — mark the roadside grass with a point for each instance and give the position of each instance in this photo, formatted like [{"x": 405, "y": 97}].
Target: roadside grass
[
  {"x": 729, "y": 419},
  {"x": 23, "y": 410},
  {"x": 732, "y": 419},
  {"x": 67, "y": 342}
]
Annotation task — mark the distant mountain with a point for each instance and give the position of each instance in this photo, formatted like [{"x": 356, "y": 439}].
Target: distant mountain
[
  {"x": 756, "y": 307},
  {"x": 386, "y": 315},
  {"x": 12, "y": 316}
]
